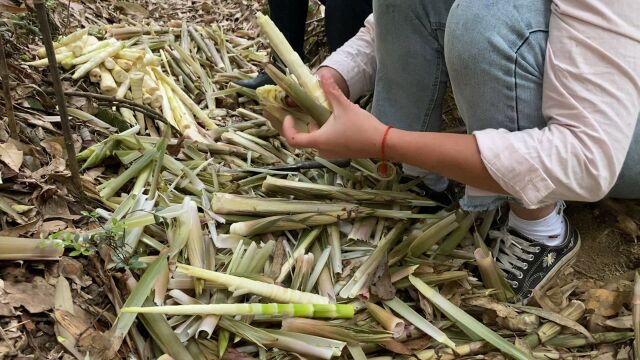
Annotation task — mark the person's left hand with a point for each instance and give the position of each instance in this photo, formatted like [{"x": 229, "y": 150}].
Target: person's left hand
[{"x": 350, "y": 132}]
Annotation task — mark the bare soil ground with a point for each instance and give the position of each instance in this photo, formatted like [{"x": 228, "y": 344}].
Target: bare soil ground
[{"x": 607, "y": 251}]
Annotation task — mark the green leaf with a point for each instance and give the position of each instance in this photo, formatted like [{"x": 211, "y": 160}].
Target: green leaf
[{"x": 465, "y": 321}]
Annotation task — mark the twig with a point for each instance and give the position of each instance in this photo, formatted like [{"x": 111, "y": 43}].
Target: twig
[
  {"x": 133, "y": 105},
  {"x": 4, "y": 336},
  {"x": 72, "y": 162},
  {"x": 4, "y": 72},
  {"x": 66, "y": 26}
]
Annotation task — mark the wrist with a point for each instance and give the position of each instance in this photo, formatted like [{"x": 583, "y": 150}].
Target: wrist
[{"x": 383, "y": 166}]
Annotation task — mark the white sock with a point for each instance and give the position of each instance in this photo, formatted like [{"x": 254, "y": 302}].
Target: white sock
[
  {"x": 434, "y": 181},
  {"x": 549, "y": 230}
]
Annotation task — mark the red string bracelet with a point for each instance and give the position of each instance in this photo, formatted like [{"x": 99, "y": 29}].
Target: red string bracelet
[{"x": 383, "y": 163}]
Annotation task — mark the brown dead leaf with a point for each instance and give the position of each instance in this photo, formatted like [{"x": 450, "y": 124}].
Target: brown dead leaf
[
  {"x": 54, "y": 147},
  {"x": 72, "y": 323},
  {"x": 10, "y": 155},
  {"x": 36, "y": 296},
  {"x": 73, "y": 269},
  {"x": 20, "y": 230},
  {"x": 381, "y": 285},
  {"x": 606, "y": 302},
  {"x": 56, "y": 166},
  {"x": 54, "y": 207},
  {"x": 627, "y": 225},
  {"x": 52, "y": 226},
  {"x": 12, "y": 9},
  {"x": 278, "y": 258},
  {"x": 418, "y": 344},
  {"x": 502, "y": 310},
  {"x": 426, "y": 307},
  {"x": 129, "y": 8},
  {"x": 396, "y": 347},
  {"x": 6, "y": 310},
  {"x": 94, "y": 172}
]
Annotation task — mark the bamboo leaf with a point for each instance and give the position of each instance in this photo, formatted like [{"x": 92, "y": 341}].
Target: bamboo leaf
[
  {"x": 421, "y": 323},
  {"x": 460, "y": 317}
]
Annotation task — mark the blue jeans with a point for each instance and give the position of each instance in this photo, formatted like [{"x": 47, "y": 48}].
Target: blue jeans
[{"x": 491, "y": 51}]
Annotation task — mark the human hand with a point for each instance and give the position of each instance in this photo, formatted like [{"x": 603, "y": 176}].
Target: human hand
[
  {"x": 350, "y": 132},
  {"x": 336, "y": 76}
]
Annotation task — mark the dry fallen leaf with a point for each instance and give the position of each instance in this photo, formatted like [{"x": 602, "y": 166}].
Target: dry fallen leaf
[
  {"x": 626, "y": 224},
  {"x": 36, "y": 296},
  {"x": 52, "y": 226},
  {"x": 54, "y": 147},
  {"x": 381, "y": 285},
  {"x": 606, "y": 302},
  {"x": 502, "y": 310},
  {"x": 73, "y": 269},
  {"x": 10, "y": 155},
  {"x": 20, "y": 229}
]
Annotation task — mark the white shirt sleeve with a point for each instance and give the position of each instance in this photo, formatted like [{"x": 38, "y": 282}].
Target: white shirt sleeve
[{"x": 356, "y": 60}]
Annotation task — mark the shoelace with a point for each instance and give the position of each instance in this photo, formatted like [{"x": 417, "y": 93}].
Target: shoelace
[{"x": 510, "y": 251}]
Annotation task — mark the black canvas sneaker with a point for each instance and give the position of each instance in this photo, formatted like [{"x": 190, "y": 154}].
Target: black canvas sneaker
[{"x": 529, "y": 264}]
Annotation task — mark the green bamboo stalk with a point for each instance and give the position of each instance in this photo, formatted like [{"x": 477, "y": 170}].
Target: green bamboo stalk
[
  {"x": 332, "y": 311},
  {"x": 234, "y": 283},
  {"x": 306, "y": 101},
  {"x": 14, "y": 248},
  {"x": 245, "y": 205},
  {"x": 490, "y": 274},
  {"x": 303, "y": 190},
  {"x": 453, "y": 240},
  {"x": 109, "y": 188},
  {"x": 289, "y": 222},
  {"x": 290, "y": 58},
  {"x": 431, "y": 236},
  {"x": 434, "y": 278},
  {"x": 201, "y": 115}
]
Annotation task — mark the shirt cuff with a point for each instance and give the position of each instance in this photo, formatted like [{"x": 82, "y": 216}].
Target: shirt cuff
[
  {"x": 513, "y": 169},
  {"x": 351, "y": 75}
]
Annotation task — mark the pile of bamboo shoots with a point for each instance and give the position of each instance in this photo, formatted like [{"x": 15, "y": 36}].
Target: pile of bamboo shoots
[
  {"x": 247, "y": 261},
  {"x": 173, "y": 74}
]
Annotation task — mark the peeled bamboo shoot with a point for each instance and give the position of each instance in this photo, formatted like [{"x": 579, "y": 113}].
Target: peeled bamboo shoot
[{"x": 107, "y": 83}]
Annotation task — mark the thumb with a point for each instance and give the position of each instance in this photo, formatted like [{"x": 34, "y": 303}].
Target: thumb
[
  {"x": 334, "y": 95},
  {"x": 294, "y": 137}
]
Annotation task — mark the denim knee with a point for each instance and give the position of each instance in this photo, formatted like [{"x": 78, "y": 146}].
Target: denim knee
[{"x": 494, "y": 51}]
